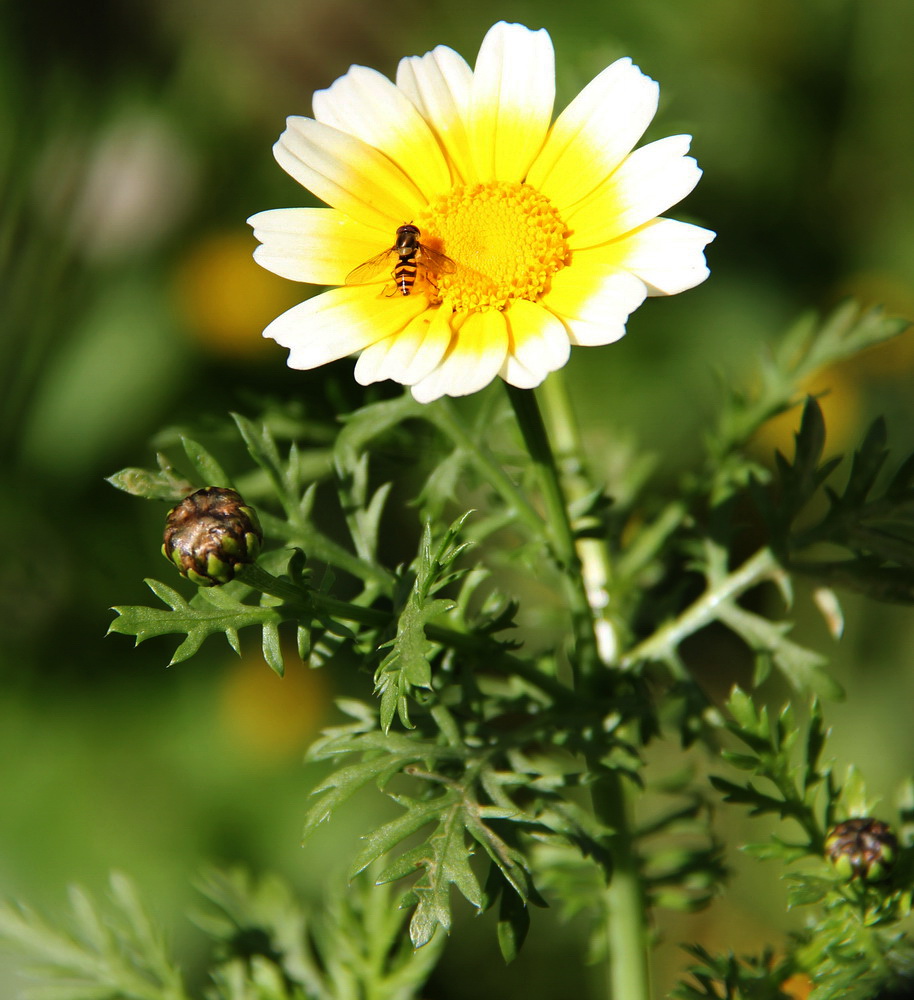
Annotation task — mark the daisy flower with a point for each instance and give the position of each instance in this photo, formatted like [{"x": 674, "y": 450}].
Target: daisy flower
[{"x": 469, "y": 235}]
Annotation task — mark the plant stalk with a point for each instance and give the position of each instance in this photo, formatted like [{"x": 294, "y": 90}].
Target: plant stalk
[
  {"x": 596, "y": 565},
  {"x": 561, "y": 537},
  {"x": 626, "y": 925},
  {"x": 587, "y": 568},
  {"x": 663, "y": 643}
]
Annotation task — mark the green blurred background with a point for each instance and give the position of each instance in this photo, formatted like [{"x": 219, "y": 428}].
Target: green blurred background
[{"x": 134, "y": 141}]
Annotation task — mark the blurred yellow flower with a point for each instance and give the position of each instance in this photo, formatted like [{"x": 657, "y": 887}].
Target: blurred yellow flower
[
  {"x": 472, "y": 236},
  {"x": 798, "y": 986},
  {"x": 838, "y": 395},
  {"x": 225, "y": 299},
  {"x": 270, "y": 716}
]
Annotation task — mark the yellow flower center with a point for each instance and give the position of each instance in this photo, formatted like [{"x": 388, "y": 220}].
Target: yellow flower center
[{"x": 507, "y": 241}]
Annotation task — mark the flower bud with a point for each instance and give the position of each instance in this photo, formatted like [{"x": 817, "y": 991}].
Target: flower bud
[
  {"x": 209, "y": 534},
  {"x": 862, "y": 848}
]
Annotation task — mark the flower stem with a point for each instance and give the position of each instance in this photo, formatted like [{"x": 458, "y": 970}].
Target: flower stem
[
  {"x": 561, "y": 537},
  {"x": 626, "y": 923},
  {"x": 596, "y": 565},
  {"x": 626, "y": 926}
]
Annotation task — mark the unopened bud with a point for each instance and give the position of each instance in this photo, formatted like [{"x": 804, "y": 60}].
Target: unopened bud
[
  {"x": 862, "y": 848},
  {"x": 210, "y": 534}
]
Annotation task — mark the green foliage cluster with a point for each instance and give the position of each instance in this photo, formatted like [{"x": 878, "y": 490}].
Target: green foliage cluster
[
  {"x": 518, "y": 772},
  {"x": 264, "y": 946}
]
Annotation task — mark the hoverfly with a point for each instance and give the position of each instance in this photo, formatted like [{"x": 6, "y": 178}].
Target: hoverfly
[{"x": 406, "y": 255}]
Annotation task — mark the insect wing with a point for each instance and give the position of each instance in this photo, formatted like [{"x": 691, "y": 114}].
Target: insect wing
[
  {"x": 434, "y": 262},
  {"x": 379, "y": 264}
]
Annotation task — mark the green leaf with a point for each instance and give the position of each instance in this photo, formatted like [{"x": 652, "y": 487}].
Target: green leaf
[
  {"x": 448, "y": 864},
  {"x": 804, "y": 668},
  {"x": 386, "y": 837},
  {"x": 163, "y": 484},
  {"x": 207, "y": 468},
  {"x": 343, "y": 783},
  {"x": 214, "y": 612},
  {"x": 408, "y": 664},
  {"x": 272, "y": 648},
  {"x": 807, "y": 890},
  {"x": 115, "y": 950},
  {"x": 513, "y": 924}
]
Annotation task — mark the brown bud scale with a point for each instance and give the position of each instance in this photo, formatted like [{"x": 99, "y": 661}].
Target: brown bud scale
[
  {"x": 863, "y": 848},
  {"x": 210, "y": 533}
]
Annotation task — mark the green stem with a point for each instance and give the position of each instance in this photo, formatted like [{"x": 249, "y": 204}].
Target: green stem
[
  {"x": 663, "y": 643},
  {"x": 626, "y": 927},
  {"x": 561, "y": 537},
  {"x": 596, "y": 565},
  {"x": 626, "y": 924}
]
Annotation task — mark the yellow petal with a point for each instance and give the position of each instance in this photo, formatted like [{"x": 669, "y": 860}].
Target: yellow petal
[
  {"x": 513, "y": 94},
  {"x": 347, "y": 174},
  {"x": 439, "y": 85},
  {"x": 649, "y": 181},
  {"x": 408, "y": 356},
  {"x": 317, "y": 245},
  {"x": 593, "y": 305},
  {"x": 475, "y": 357},
  {"x": 340, "y": 322},
  {"x": 366, "y": 104},
  {"x": 665, "y": 254},
  {"x": 594, "y": 134},
  {"x": 537, "y": 344}
]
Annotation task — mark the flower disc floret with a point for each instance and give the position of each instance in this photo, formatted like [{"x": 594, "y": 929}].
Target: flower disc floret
[{"x": 506, "y": 239}]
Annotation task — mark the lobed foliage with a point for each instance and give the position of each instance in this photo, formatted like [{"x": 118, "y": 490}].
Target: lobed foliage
[{"x": 519, "y": 771}]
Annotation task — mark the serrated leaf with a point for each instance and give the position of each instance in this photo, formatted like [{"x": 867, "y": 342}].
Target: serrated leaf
[
  {"x": 196, "y": 622},
  {"x": 776, "y": 849},
  {"x": 807, "y": 890},
  {"x": 740, "y": 760},
  {"x": 408, "y": 863},
  {"x": 448, "y": 865},
  {"x": 272, "y": 648},
  {"x": 815, "y": 743},
  {"x": 160, "y": 485},
  {"x": 408, "y": 664},
  {"x": 742, "y": 708},
  {"x": 386, "y": 837},
  {"x": 749, "y": 795},
  {"x": 804, "y": 668},
  {"x": 513, "y": 924},
  {"x": 342, "y": 785},
  {"x": 205, "y": 465}
]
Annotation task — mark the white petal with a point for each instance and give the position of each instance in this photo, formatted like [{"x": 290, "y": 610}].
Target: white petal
[
  {"x": 347, "y": 174},
  {"x": 649, "y": 181},
  {"x": 538, "y": 344},
  {"x": 439, "y": 85},
  {"x": 594, "y": 310},
  {"x": 318, "y": 245},
  {"x": 410, "y": 355},
  {"x": 513, "y": 95},
  {"x": 667, "y": 255},
  {"x": 476, "y": 355},
  {"x": 366, "y": 104},
  {"x": 340, "y": 322},
  {"x": 594, "y": 134}
]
